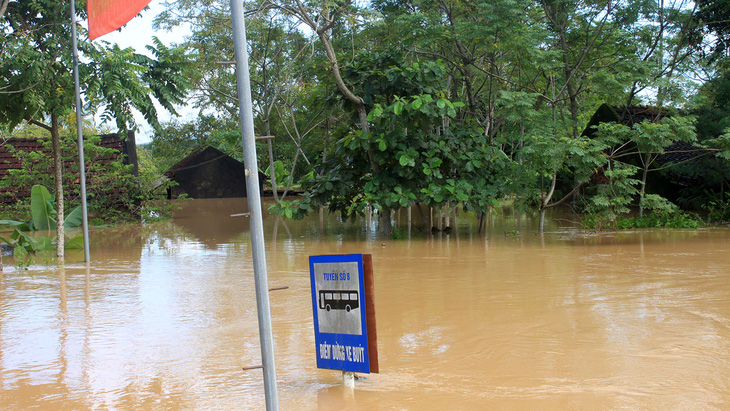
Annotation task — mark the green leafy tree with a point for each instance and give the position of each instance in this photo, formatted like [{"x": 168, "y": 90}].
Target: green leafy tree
[
  {"x": 371, "y": 94},
  {"x": 36, "y": 73},
  {"x": 548, "y": 159},
  {"x": 423, "y": 154},
  {"x": 291, "y": 100},
  {"x": 613, "y": 197},
  {"x": 642, "y": 145},
  {"x": 715, "y": 15}
]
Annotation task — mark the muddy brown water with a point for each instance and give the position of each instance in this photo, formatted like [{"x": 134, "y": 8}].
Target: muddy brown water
[{"x": 165, "y": 318}]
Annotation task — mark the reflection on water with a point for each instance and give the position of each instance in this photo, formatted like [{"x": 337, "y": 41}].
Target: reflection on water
[{"x": 165, "y": 318}]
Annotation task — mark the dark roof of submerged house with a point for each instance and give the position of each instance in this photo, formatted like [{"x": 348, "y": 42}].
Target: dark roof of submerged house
[
  {"x": 628, "y": 115},
  {"x": 209, "y": 173},
  {"x": 8, "y": 160},
  {"x": 678, "y": 152},
  {"x": 189, "y": 161}
]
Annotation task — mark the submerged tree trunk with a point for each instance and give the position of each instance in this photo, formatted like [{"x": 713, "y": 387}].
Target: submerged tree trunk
[
  {"x": 272, "y": 173},
  {"x": 385, "y": 221},
  {"x": 546, "y": 201},
  {"x": 541, "y": 224},
  {"x": 642, "y": 193},
  {"x": 422, "y": 217}
]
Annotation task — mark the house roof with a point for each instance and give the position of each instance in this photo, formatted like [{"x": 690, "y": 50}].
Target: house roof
[
  {"x": 9, "y": 160},
  {"x": 628, "y": 115},
  {"x": 677, "y": 152},
  {"x": 189, "y": 161}
]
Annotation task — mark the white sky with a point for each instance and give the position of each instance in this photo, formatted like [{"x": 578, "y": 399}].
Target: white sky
[{"x": 138, "y": 34}]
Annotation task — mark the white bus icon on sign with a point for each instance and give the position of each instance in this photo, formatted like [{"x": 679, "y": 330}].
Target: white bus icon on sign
[{"x": 338, "y": 300}]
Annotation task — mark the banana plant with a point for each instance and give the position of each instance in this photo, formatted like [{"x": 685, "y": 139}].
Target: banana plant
[
  {"x": 43, "y": 215},
  {"x": 43, "y": 212}
]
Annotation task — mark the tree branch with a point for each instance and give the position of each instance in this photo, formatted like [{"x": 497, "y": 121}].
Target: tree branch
[
  {"x": 567, "y": 196},
  {"x": 3, "y": 7},
  {"x": 39, "y": 124}
]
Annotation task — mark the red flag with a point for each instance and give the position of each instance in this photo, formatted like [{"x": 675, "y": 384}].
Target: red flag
[{"x": 106, "y": 16}]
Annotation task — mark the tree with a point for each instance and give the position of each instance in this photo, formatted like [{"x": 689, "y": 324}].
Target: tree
[
  {"x": 424, "y": 154},
  {"x": 716, "y": 18},
  {"x": 529, "y": 75},
  {"x": 646, "y": 142},
  {"x": 289, "y": 95},
  {"x": 38, "y": 84},
  {"x": 550, "y": 157}
]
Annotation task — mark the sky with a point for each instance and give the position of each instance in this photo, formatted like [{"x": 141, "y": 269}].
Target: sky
[{"x": 138, "y": 34}]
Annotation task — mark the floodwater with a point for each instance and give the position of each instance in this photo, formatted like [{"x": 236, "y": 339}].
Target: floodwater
[{"x": 165, "y": 318}]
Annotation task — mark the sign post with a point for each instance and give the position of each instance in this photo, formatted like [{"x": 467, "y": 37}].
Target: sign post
[
  {"x": 258, "y": 249},
  {"x": 344, "y": 313}
]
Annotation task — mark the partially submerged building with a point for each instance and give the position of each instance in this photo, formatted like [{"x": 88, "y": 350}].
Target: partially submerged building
[
  {"x": 209, "y": 173},
  {"x": 678, "y": 152},
  {"x": 627, "y": 115},
  {"x": 672, "y": 179},
  {"x": 17, "y": 153}
]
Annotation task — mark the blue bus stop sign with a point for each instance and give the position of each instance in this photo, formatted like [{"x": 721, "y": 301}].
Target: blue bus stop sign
[{"x": 339, "y": 307}]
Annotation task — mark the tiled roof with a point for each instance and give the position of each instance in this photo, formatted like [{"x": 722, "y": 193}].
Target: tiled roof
[
  {"x": 628, "y": 115},
  {"x": 10, "y": 161},
  {"x": 184, "y": 163}
]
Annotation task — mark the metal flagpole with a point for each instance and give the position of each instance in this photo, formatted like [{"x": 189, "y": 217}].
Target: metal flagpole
[
  {"x": 80, "y": 135},
  {"x": 254, "y": 204}
]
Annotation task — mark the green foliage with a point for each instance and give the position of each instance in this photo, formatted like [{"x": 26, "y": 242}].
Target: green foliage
[
  {"x": 647, "y": 138},
  {"x": 112, "y": 190},
  {"x": 657, "y": 219},
  {"x": 289, "y": 84},
  {"x": 120, "y": 80},
  {"x": 42, "y": 213},
  {"x": 710, "y": 175},
  {"x": 467, "y": 102},
  {"x": 279, "y": 171},
  {"x": 639, "y": 147},
  {"x": 657, "y": 203},
  {"x": 415, "y": 151},
  {"x": 38, "y": 88},
  {"x": 397, "y": 234},
  {"x": 613, "y": 198},
  {"x": 296, "y": 209},
  {"x": 718, "y": 211},
  {"x": 716, "y": 18},
  {"x": 37, "y": 76},
  {"x": 418, "y": 160},
  {"x": 41, "y": 207},
  {"x": 547, "y": 155},
  {"x": 23, "y": 245}
]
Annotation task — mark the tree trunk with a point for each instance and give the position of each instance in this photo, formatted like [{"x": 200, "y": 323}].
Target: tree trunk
[
  {"x": 643, "y": 190},
  {"x": 546, "y": 200},
  {"x": 423, "y": 217},
  {"x": 355, "y": 99},
  {"x": 541, "y": 224},
  {"x": 58, "y": 166},
  {"x": 271, "y": 171},
  {"x": 385, "y": 222}
]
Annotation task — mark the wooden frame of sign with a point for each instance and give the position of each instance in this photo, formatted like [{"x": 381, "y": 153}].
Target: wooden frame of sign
[
  {"x": 343, "y": 307},
  {"x": 367, "y": 266}
]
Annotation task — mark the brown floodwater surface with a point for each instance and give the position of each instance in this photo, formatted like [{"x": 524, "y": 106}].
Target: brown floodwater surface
[{"x": 165, "y": 318}]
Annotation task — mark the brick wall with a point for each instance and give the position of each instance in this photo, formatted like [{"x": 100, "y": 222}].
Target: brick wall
[{"x": 9, "y": 161}]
